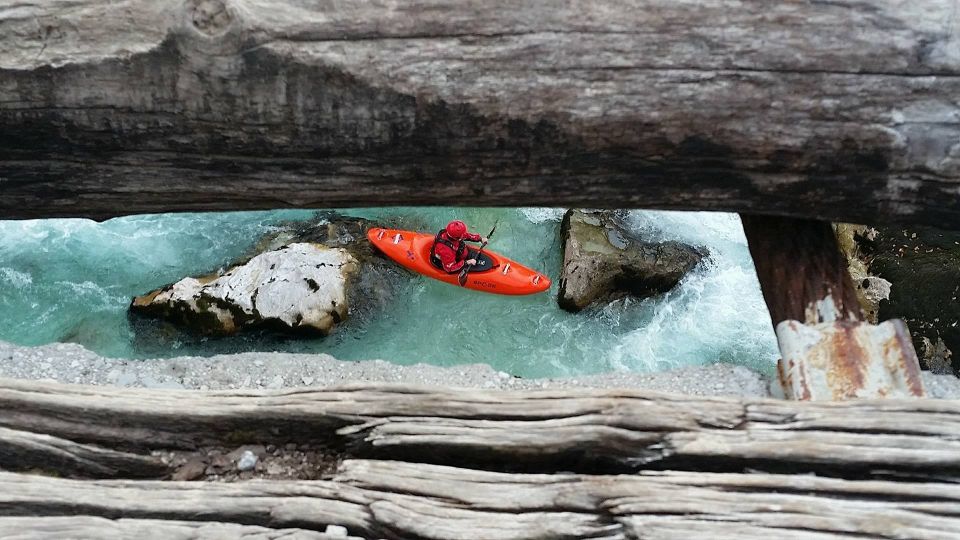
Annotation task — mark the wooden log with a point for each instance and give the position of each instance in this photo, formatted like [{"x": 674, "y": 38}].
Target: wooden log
[
  {"x": 579, "y": 430},
  {"x": 98, "y": 528},
  {"x": 803, "y": 274},
  {"x": 312, "y": 505},
  {"x": 23, "y": 450},
  {"x": 409, "y": 500},
  {"x": 171, "y": 105}
]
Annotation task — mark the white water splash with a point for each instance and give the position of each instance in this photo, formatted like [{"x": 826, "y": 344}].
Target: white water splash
[
  {"x": 717, "y": 313},
  {"x": 72, "y": 280},
  {"x": 93, "y": 295},
  {"x": 542, "y": 215},
  {"x": 13, "y": 278}
]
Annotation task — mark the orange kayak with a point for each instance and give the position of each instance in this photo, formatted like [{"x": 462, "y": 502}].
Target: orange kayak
[{"x": 493, "y": 274}]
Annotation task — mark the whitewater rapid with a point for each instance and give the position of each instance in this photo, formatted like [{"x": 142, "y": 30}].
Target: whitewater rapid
[{"x": 71, "y": 280}]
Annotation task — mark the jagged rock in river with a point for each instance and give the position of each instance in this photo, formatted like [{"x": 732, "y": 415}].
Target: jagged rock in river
[
  {"x": 300, "y": 286},
  {"x": 378, "y": 280},
  {"x": 370, "y": 283},
  {"x": 601, "y": 260},
  {"x": 921, "y": 266}
]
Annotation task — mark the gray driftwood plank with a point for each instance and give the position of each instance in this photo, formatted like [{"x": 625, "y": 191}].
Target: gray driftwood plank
[
  {"x": 582, "y": 430},
  {"x": 98, "y": 528},
  {"x": 840, "y": 110},
  {"x": 24, "y": 450},
  {"x": 406, "y": 500}
]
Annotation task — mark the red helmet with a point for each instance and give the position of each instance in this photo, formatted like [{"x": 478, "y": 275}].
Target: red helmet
[{"x": 456, "y": 229}]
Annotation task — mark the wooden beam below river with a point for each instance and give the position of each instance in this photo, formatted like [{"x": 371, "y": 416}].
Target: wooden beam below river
[
  {"x": 574, "y": 430},
  {"x": 883, "y": 468}
]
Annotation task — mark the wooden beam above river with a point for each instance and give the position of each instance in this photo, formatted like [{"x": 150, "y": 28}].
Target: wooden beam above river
[{"x": 838, "y": 111}]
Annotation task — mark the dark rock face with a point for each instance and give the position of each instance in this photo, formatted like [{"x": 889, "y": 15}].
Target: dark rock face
[
  {"x": 601, "y": 260},
  {"x": 922, "y": 265}
]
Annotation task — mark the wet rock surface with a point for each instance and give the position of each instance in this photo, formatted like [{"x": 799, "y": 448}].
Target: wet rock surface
[
  {"x": 920, "y": 268},
  {"x": 376, "y": 283},
  {"x": 305, "y": 278},
  {"x": 301, "y": 286},
  {"x": 602, "y": 260}
]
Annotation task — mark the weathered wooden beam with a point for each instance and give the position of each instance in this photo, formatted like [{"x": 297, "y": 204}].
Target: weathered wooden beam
[
  {"x": 99, "y": 528},
  {"x": 827, "y": 351},
  {"x": 803, "y": 275},
  {"x": 410, "y": 500},
  {"x": 595, "y": 430},
  {"x": 761, "y": 107},
  {"x": 25, "y": 451}
]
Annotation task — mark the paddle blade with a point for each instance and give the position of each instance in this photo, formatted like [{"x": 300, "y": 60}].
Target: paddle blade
[{"x": 462, "y": 278}]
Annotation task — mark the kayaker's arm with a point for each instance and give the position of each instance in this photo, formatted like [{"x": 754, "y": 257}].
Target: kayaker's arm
[
  {"x": 448, "y": 259},
  {"x": 474, "y": 237}
]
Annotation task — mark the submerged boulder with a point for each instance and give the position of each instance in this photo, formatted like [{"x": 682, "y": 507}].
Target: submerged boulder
[
  {"x": 300, "y": 286},
  {"x": 601, "y": 260}
]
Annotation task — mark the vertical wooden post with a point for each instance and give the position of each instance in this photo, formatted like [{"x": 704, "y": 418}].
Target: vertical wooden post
[
  {"x": 802, "y": 273},
  {"x": 827, "y": 351}
]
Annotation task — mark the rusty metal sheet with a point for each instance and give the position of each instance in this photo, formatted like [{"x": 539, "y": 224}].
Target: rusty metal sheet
[{"x": 842, "y": 360}]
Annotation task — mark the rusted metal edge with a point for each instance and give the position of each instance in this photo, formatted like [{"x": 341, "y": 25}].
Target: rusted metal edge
[{"x": 845, "y": 359}]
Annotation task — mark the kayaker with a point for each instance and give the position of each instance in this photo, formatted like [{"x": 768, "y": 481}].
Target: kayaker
[{"x": 449, "y": 251}]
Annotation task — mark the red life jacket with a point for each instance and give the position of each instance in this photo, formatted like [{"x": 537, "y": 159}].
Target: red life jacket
[{"x": 459, "y": 248}]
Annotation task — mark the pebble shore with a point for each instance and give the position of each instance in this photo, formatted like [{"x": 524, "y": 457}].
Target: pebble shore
[{"x": 71, "y": 363}]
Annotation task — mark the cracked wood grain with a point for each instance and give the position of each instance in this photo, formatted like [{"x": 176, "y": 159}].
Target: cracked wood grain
[
  {"x": 24, "y": 450},
  {"x": 99, "y": 528},
  {"x": 386, "y": 499},
  {"x": 575, "y": 430},
  {"x": 114, "y": 108}
]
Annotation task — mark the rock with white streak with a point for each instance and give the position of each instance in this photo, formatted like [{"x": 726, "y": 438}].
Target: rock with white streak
[{"x": 300, "y": 286}]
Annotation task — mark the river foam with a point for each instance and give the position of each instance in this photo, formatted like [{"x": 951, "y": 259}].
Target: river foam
[{"x": 70, "y": 280}]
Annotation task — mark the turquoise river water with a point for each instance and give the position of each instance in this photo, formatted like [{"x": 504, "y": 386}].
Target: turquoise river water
[{"x": 71, "y": 281}]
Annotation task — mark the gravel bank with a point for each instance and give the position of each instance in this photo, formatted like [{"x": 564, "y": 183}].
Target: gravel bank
[{"x": 72, "y": 363}]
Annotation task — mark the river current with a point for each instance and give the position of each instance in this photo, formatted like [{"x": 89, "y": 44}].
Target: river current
[{"x": 71, "y": 280}]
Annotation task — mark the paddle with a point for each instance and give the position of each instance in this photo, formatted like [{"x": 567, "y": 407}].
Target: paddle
[{"x": 462, "y": 278}]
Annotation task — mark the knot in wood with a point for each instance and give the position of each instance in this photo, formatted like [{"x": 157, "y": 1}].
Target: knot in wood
[{"x": 209, "y": 17}]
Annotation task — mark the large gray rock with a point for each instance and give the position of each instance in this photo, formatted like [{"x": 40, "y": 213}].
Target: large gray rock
[
  {"x": 376, "y": 284},
  {"x": 193, "y": 307},
  {"x": 300, "y": 286},
  {"x": 602, "y": 260}
]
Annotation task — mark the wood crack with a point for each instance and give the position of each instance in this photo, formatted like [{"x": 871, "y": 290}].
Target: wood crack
[{"x": 501, "y": 476}]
